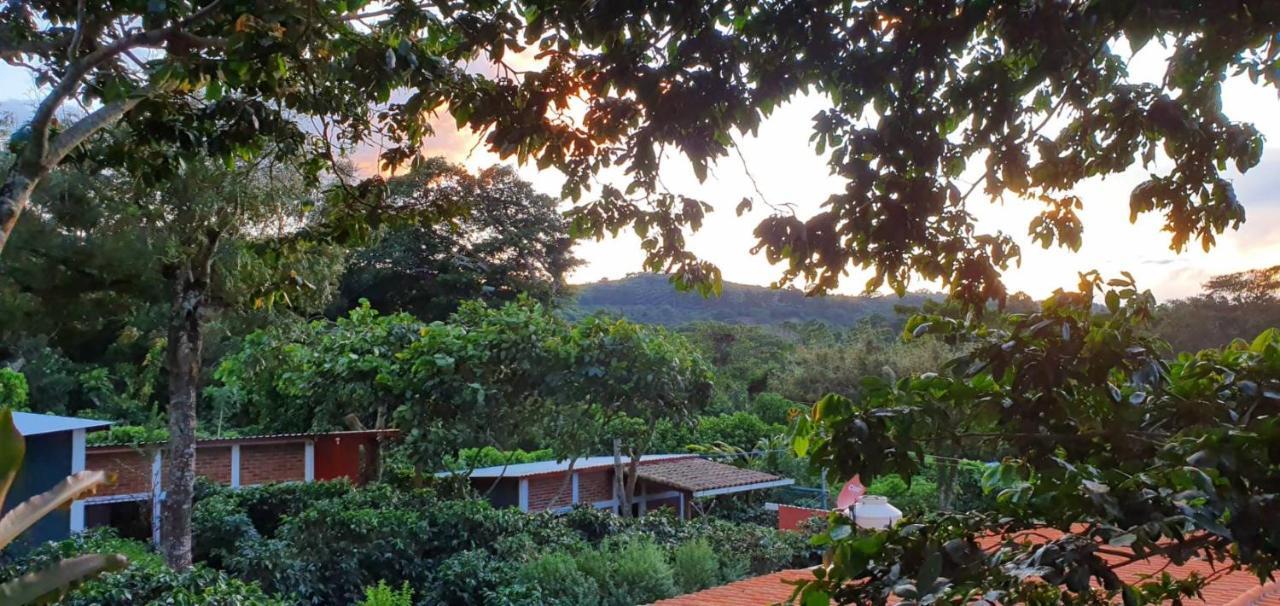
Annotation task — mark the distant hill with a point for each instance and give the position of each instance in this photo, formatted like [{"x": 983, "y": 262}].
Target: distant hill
[{"x": 651, "y": 299}]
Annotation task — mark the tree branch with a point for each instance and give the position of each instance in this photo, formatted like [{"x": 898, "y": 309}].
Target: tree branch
[
  {"x": 34, "y": 159},
  {"x": 85, "y": 127}
]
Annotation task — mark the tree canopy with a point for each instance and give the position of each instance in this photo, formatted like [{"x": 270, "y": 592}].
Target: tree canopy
[
  {"x": 919, "y": 93},
  {"x": 1102, "y": 438},
  {"x": 510, "y": 240}
]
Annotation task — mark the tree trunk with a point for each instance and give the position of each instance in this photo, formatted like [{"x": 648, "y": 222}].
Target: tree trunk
[
  {"x": 633, "y": 476},
  {"x": 15, "y": 194},
  {"x": 946, "y": 485},
  {"x": 619, "y": 486},
  {"x": 184, "y": 350}
]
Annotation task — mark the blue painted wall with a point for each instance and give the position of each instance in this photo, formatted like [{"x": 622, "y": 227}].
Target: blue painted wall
[{"x": 48, "y": 462}]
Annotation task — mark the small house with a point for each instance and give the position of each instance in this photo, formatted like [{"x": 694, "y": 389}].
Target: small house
[
  {"x": 55, "y": 449},
  {"x": 132, "y": 502},
  {"x": 664, "y": 480}
]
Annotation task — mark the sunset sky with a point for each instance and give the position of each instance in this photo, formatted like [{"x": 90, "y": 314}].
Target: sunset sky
[{"x": 788, "y": 171}]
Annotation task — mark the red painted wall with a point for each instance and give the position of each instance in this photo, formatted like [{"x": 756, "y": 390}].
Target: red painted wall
[
  {"x": 351, "y": 457},
  {"x": 789, "y": 518}
]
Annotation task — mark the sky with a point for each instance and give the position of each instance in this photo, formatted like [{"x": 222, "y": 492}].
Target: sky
[{"x": 787, "y": 170}]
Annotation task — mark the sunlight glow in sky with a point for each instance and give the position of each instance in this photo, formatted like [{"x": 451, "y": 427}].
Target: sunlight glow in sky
[{"x": 788, "y": 171}]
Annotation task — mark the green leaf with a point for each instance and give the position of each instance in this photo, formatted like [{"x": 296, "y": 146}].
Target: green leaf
[
  {"x": 12, "y": 448},
  {"x": 55, "y": 579},
  {"x": 929, "y": 572},
  {"x": 32, "y": 510}
]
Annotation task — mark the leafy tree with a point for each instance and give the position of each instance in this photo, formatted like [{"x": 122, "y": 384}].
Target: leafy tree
[
  {"x": 13, "y": 389},
  {"x": 841, "y": 363},
  {"x": 1102, "y": 439},
  {"x": 229, "y": 79},
  {"x": 746, "y": 359},
  {"x": 633, "y": 377},
  {"x": 1252, "y": 286},
  {"x": 158, "y": 254},
  {"x": 1230, "y": 306},
  {"x": 510, "y": 240}
]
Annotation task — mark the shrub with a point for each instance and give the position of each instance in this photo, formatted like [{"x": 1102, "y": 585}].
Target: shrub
[
  {"x": 560, "y": 581},
  {"x": 268, "y": 505},
  {"x": 741, "y": 429},
  {"x": 383, "y": 595},
  {"x": 334, "y": 551},
  {"x": 696, "y": 566},
  {"x": 921, "y": 496},
  {"x": 13, "y": 389},
  {"x": 220, "y": 525},
  {"x": 640, "y": 574},
  {"x": 773, "y": 408},
  {"x": 146, "y": 581},
  {"x": 469, "y": 577}
]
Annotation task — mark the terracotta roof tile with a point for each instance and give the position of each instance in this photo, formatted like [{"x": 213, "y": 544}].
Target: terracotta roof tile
[
  {"x": 695, "y": 474},
  {"x": 1239, "y": 588}
]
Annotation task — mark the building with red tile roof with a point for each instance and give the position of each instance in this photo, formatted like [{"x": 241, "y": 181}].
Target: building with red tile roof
[{"x": 664, "y": 480}]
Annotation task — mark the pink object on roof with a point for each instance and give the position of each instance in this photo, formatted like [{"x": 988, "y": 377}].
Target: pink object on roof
[{"x": 851, "y": 493}]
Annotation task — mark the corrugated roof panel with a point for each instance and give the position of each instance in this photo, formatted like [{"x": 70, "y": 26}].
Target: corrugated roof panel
[
  {"x": 31, "y": 424},
  {"x": 522, "y": 470}
]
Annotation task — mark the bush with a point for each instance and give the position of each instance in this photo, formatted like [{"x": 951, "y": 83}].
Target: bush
[
  {"x": 13, "y": 389},
  {"x": 560, "y": 581},
  {"x": 773, "y": 408},
  {"x": 640, "y": 574},
  {"x": 147, "y": 581},
  {"x": 383, "y": 595},
  {"x": 469, "y": 577},
  {"x": 332, "y": 543},
  {"x": 696, "y": 566},
  {"x": 268, "y": 505},
  {"x": 220, "y": 525},
  {"x": 740, "y": 429}
]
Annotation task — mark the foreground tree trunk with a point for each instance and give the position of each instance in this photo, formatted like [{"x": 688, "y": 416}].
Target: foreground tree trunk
[
  {"x": 190, "y": 280},
  {"x": 619, "y": 485}
]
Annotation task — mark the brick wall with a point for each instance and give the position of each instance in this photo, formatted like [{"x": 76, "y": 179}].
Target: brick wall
[
  {"x": 543, "y": 489},
  {"x": 595, "y": 486},
  {"x": 260, "y": 464},
  {"x": 131, "y": 468},
  {"x": 214, "y": 462}
]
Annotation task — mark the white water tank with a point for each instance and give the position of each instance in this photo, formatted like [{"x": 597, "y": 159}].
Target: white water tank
[{"x": 875, "y": 513}]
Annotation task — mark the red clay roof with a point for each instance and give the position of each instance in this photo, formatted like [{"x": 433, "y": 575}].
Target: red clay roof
[
  {"x": 756, "y": 591},
  {"x": 696, "y": 474},
  {"x": 1238, "y": 588}
]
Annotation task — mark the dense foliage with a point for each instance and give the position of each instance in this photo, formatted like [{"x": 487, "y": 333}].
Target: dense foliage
[
  {"x": 1102, "y": 438},
  {"x": 510, "y": 241},
  {"x": 649, "y": 298},
  {"x": 508, "y": 376},
  {"x": 147, "y": 581},
  {"x": 325, "y": 543}
]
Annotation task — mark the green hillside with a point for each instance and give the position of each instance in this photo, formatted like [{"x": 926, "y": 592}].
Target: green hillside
[{"x": 651, "y": 299}]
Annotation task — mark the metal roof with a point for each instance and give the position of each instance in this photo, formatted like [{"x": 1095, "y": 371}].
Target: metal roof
[
  {"x": 524, "y": 470},
  {"x": 259, "y": 439},
  {"x": 32, "y": 424}
]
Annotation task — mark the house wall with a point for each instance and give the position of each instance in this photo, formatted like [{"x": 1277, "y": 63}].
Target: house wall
[
  {"x": 595, "y": 486},
  {"x": 131, "y": 468},
  {"x": 791, "y": 517},
  {"x": 351, "y": 457},
  {"x": 505, "y": 494},
  {"x": 543, "y": 492},
  {"x": 47, "y": 462},
  {"x": 265, "y": 463},
  {"x": 214, "y": 462}
]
